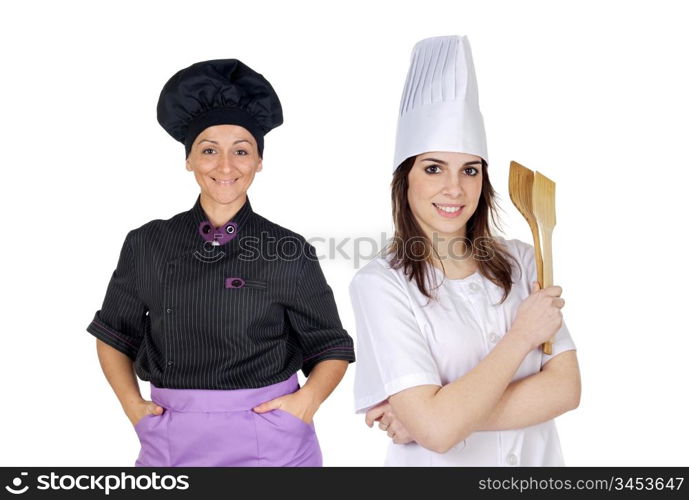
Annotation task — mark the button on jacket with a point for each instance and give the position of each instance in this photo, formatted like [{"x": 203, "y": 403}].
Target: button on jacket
[{"x": 241, "y": 306}]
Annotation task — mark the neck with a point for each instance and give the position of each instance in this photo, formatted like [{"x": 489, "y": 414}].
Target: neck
[
  {"x": 453, "y": 250},
  {"x": 220, "y": 213}
]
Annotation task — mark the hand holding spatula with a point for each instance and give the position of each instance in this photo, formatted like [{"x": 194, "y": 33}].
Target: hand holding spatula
[{"x": 534, "y": 196}]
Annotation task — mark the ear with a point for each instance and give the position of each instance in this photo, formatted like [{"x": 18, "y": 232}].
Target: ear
[
  {"x": 188, "y": 166},
  {"x": 260, "y": 166}
]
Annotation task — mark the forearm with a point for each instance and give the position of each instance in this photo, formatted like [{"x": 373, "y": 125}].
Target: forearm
[
  {"x": 119, "y": 371},
  {"x": 460, "y": 407},
  {"x": 553, "y": 391},
  {"x": 323, "y": 379},
  {"x": 530, "y": 401}
]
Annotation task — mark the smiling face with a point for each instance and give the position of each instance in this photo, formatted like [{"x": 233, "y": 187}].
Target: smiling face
[
  {"x": 444, "y": 191},
  {"x": 224, "y": 159}
]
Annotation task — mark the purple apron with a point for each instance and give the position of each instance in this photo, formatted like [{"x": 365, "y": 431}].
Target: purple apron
[{"x": 218, "y": 428}]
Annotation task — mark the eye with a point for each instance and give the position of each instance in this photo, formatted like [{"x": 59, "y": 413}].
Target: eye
[
  {"x": 207, "y": 149},
  {"x": 241, "y": 152},
  {"x": 474, "y": 169},
  {"x": 432, "y": 169}
]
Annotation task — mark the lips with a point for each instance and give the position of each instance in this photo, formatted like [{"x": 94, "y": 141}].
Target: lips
[
  {"x": 224, "y": 182},
  {"x": 448, "y": 210}
]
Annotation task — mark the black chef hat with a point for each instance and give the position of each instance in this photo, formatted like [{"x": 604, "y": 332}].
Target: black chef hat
[{"x": 216, "y": 92}]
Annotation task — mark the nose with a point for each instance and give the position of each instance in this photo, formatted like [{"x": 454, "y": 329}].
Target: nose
[
  {"x": 226, "y": 164},
  {"x": 453, "y": 186}
]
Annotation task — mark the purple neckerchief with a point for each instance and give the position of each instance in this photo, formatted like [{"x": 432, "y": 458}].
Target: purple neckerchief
[{"x": 218, "y": 235}]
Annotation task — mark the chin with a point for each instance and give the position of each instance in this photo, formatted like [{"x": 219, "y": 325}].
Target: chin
[
  {"x": 224, "y": 196},
  {"x": 448, "y": 228},
  {"x": 450, "y": 232}
]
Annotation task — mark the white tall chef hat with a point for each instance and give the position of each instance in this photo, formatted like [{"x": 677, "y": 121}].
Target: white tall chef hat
[{"x": 439, "y": 109}]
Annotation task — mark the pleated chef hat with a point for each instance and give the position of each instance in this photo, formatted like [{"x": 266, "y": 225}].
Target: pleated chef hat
[{"x": 439, "y": 110}]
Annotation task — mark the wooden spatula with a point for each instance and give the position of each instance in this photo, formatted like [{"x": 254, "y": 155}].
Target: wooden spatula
[
  {"x": 521, "y": 182},
  {"x": 543, "y": 197}
]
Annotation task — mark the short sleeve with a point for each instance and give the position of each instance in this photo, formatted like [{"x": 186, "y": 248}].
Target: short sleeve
[
  {"x": 392, "y": 352},
  {"x": 123, "y": 318},
  {"x": 562, "y": 340},
  {"x": 561, "y": 343},
  {"x": 313, "y": 316}
]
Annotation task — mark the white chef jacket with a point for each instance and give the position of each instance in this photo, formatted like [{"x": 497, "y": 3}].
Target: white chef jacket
[{"x": 404, "y": 341}]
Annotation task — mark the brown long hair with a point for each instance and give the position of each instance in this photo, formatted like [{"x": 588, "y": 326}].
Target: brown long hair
[{"x": 412, "y": 250}]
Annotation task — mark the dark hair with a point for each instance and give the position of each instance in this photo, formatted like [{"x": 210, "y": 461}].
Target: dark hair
[{"x": 411, "y": 249}]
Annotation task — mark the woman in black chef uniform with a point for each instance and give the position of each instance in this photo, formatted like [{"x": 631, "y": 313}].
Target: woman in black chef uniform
[{"x": 218, "y": 307}]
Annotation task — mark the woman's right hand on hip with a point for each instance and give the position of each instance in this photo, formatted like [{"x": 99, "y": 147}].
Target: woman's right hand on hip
[{"x": 137, "y": 411}]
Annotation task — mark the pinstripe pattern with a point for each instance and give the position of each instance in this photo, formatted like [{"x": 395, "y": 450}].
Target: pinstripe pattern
[{"x": 168, "y": 309}]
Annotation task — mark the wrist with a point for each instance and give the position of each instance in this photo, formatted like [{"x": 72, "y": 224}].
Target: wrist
[
  {"x": 518, "y": 340},
  {"x": 131, "y": 402},
  {"x": 310, "y": 397}
]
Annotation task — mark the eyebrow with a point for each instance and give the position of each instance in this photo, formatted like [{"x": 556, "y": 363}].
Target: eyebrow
[
  {"x": 216, "y": 142},
  {"x": 435, "y": 160}
]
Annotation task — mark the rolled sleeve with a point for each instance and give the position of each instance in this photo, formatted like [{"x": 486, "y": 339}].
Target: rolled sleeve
[
  {"x": 314, "y": 319},
  {"x": 392, "y": 351},
  {"x": 123, "y": 318}
]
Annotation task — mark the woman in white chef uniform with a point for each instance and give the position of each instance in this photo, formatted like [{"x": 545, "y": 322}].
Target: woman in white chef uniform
[{"x": 449, "y": 318}]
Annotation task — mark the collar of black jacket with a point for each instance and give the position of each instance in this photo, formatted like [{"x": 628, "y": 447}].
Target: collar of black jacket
[{"x": 225, "y": 233}]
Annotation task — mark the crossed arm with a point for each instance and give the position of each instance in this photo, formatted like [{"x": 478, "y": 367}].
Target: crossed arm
[{"x": 484, "y": 399}]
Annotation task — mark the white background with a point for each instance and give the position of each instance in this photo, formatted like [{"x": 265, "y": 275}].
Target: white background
[{"x": 592, "y": 94}]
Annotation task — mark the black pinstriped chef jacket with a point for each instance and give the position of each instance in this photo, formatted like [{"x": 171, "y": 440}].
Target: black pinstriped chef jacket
[{"x": 236, "y": 314}]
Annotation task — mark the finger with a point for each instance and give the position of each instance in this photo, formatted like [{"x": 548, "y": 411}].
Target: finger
[
  {"x": 396, "y": 428},
  {"x": 391, "y": 432},
  {"x": 553, "y": 291},
  {"x": 268, "y": 405},
  {"x": 387, "y": 419},
  {"x": 382, "y": 426},
  {"x": 558, "y": 302},
  {"x": 374, "y": 414},
  {"x": 403, "y": 439},
  {"x": 535, "y": 286},
  {"x": 154, "y": 409}
]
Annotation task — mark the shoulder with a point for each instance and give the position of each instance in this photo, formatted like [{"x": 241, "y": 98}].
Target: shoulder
[
  {"x": 280, "y": 245},
  {"x": 283, "y": 250},
  {"x": 261, "y": 225},
  {"x": 524, "y": 255},
  {"x": 515, "y": 247},
  {"x": 153, "y": 230},
  {"x": 377, "y": 274}
]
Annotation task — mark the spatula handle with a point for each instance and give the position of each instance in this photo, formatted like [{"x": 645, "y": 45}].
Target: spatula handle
[
  {"x": 545, "y": 279},
  {"x": 538, "y": 256}
]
